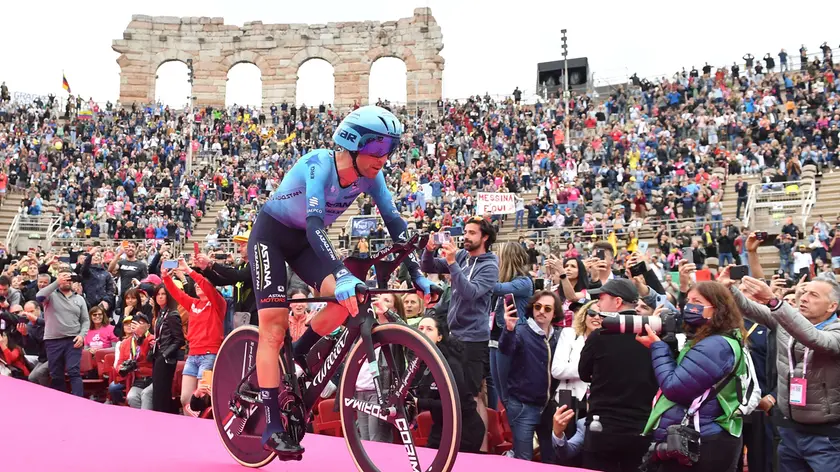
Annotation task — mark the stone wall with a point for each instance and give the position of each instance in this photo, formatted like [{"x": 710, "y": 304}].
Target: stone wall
[{"x": 279, "y": 50}]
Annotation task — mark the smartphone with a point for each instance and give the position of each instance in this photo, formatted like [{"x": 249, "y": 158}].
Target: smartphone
[
  {"x": 509, "y": 299},
  {"x": 688, "y": 254},
  {"x": 761, "y": 235},
  {"x": 442, "y": 238},
  {"x": 738, "y": 272},
  {"x": 221, "y": 257},
  {"x": 804, "y": 272},
  {"x": 169, "y": 264},
  {"x": 638, "y": 269},
  {"x": 196, "y": 250},
  {"x": 789, "y": 283},
  {"x": 600, "y": 254},
  {"x": 124, "y": 244},
  {"x": 65, "y": 259},
  {"x": 643, "y": 247},
  {"x": 539, "y": 284}
]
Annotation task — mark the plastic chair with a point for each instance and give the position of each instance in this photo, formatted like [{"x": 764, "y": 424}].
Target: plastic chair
[
  {"x": 495, "y": 437},
  {"x": 424, "y": 429},
  {"x": 507, "y": 433},
  {"x": 327, "y": 422},
  {"x": 91, "y": 386}
]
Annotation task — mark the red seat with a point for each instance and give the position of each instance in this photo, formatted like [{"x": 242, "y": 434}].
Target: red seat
[
  {"x": 424, "y": 429},
  {"x": 327, "y": 421},
  {"x": 108, "y": 366},
  {"x": 91, "y": 386},
  {"x": 103, "y": 367},
  {"x": 507, "y": 433},
  {"x": 496, "y": 443}
]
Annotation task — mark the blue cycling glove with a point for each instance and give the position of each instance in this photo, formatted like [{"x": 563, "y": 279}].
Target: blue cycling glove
[
  {"x": 345, "y": 292},
  {"x": 425, "y": 285}
]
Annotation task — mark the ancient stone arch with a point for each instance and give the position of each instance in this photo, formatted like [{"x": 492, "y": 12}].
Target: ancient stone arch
[{"x": 279, "y": 50}]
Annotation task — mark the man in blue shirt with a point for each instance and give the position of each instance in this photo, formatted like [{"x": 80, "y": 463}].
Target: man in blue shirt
[{"x": 291, "y": 228}]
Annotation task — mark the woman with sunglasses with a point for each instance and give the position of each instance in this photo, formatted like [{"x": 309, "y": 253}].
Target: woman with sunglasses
[
  {"x": 564, "y": 366},
  {"x": 530, "y": 346}
]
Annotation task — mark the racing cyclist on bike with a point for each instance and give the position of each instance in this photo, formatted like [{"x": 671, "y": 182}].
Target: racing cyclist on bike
[{"x": 291, "y": 229}]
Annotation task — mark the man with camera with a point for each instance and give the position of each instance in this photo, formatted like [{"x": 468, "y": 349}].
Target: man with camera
[
  {"x": 135, "y": 369},
  {"x": 66, "y": 323},
  {"x": 622, "y": 384},
  {"x": 808, "y": 350}
]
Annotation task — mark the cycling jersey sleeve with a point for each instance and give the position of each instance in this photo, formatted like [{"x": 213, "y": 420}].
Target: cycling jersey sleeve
[
  {"x": 318, "y": 172},
  {"x": 393, "y": 221}
]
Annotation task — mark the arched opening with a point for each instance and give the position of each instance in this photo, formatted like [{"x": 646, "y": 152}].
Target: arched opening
[
  {"x": 172, "y": 86},
  {"x": 387, "y": 81},
  {"x": 315, "y": 83},
  {"x": 244, "y": 86}
]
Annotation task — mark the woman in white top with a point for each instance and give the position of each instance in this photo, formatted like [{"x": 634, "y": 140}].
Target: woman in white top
[{"x": 567, "y": 355}]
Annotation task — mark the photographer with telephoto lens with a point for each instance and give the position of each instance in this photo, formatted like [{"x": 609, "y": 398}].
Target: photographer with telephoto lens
[
  {"x": 695, "y": 420},
  {"x": 621, "y": 385}
]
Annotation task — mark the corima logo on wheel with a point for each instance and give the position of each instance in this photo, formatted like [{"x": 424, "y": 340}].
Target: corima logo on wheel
[
  {"x": 264, "y": 266},
  {"x": 365, "y": 407},
  {"x": 405, "y": 437}
]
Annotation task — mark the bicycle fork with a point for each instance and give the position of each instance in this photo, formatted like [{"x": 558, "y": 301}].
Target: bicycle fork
[{"x": 373, "y": 365}]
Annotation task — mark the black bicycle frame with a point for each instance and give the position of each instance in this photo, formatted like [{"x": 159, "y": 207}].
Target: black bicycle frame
[{"x": 359, "y": 326}]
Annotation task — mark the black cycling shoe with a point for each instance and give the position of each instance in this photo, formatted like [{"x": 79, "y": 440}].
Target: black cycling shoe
[{"x": 283, "y": 445}]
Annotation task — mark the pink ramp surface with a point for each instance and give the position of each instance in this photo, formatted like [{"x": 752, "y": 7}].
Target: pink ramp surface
[{"x": 44, "y": 430}]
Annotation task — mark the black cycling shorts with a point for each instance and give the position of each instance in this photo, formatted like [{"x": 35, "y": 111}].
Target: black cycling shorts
[{"x": 271, "y": 245}]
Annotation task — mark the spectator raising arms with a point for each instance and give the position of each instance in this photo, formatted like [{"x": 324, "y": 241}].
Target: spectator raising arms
[{"x": 207, "y": 316}]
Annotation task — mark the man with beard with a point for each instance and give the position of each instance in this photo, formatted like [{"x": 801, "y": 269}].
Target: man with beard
[
  {"x": 474, "y": 271},
  {"x": 127, "y": 268}
]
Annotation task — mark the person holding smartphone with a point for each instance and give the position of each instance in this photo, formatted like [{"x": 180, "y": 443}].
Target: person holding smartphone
[{"x": 514, "y": 287}]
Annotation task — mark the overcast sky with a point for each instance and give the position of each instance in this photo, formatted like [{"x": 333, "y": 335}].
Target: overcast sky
[{"x": 488, "y": 46}]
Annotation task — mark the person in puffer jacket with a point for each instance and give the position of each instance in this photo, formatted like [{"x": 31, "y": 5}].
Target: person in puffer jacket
[
  {"x": 530, "y": 345},
  {"x": 700, "y": 377},
  {"x": 97, "y": 281}
]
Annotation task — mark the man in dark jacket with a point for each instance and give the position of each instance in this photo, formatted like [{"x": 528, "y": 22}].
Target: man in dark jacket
[
  {"x": 622, "y": 386},
  {"x": 97, "y": 281},
  {"x": 726, "y": 243}
]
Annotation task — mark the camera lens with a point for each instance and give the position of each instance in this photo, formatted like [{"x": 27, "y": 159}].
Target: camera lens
[{"x": 631, "y": 324}]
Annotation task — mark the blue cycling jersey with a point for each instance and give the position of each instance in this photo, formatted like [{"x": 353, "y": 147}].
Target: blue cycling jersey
[
  {"x": 310, "y": 197},
  {"x": 311, "y": 188}
]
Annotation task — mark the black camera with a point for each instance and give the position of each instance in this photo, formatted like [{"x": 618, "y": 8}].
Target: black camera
[
  {"x": 682, "y": 444},
  {"x": 636, "y": 324},
  {"x": 127, "y": 367},
  {"x": 75, "y": 278}
]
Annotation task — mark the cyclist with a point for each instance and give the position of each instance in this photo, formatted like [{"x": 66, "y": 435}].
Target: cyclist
[{"x": 291, "y": 229}]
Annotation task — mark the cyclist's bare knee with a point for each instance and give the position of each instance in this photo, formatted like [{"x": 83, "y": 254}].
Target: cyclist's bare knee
[{"x": 273, "y": 325}]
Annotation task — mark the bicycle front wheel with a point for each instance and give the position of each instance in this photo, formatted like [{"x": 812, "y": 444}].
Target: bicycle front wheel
[{"x": 409, "y": 356}]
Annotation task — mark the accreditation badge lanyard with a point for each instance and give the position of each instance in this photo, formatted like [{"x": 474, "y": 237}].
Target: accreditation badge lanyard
[{"x": 798, "y": 385}]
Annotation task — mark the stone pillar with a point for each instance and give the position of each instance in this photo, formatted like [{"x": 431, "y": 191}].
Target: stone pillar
[
  {"x": 209, "y": 84},
  {"x": 348, "y": 84},
  {"x": 279, "y": 87},
  {"x": 137, "y": 79},
  {"x": 424, "y": 82}
]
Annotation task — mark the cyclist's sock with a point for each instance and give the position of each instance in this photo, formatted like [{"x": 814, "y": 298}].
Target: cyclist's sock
[
  {"x": 305, "y": 342},
  {"x": 273, "y": 423}
]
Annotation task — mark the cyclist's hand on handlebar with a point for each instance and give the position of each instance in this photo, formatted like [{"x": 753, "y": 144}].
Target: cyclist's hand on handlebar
[
  {"x": 345, "y": 293},
  {"x": 424, "y": 289}
]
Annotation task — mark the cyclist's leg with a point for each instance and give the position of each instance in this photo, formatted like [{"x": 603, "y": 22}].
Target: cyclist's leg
[{"x": 268, "y": 271}]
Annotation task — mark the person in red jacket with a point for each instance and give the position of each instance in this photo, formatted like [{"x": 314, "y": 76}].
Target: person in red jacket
[
  {"x": 206, "y": 329},
  {"x": 10, "y": 352},
  {"x": 135, "y": 367}
]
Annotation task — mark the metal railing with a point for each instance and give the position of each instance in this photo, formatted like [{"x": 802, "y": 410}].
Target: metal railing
[
  {"x": 769, "y": 204},
  {"x": 66, "y": 243},
  {"x": 33, "y": 227}
]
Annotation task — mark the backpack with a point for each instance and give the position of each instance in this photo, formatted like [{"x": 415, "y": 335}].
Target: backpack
[{"x": 749, "y": 395}]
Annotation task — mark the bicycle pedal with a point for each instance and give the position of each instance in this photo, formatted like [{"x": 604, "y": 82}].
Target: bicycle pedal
[{"x": 295, "y": 457}]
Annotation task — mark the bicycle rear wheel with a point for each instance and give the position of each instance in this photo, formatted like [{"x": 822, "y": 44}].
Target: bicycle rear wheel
[
  {"x": 240, "y": 436},
  {"x": 421, "y": 357}
]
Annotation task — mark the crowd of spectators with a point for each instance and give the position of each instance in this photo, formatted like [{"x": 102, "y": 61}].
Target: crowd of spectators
[{"x": 645, "y": 155}]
